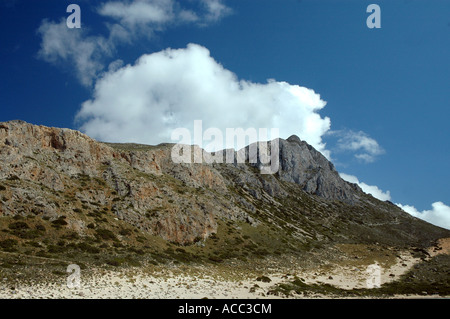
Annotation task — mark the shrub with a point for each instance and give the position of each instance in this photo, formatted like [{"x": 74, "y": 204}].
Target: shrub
[
  {"x": 137, "y": 251},
  {"x": 132, "y": 262},
  {"x": 141, "y": 239},
  {"x": 116, "y": 262},
  {"x": 29, "y": 234},
  {"x": 213, "y": 236},
  {"x": 53, "y": 249},
  {"x": 215, "y": 259},
  {"x": 59, "y": 222},
  {"x": 105, "y": 234},
  {"x": 88, "y": 248},
  {"x": 36, "y": 211},
  {"x": 18, "y": 225},
  {"x": 263, "y": 279},
  {"x": 40, "y": 227},
  {"x": 8, "y": 244},
  {"x": 2, "y": 188},
  {"x": 34, "y": 244},
  {"x": 43, "y": 253},
  {"x": 71, "y": 235},
  {"x": 125, "y": 232}
]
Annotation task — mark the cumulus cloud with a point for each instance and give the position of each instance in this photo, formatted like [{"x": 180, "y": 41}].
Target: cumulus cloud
[
  {"x": 365, "y": 147},
  {"x": 162, "y": 91},
  {"x": 439, "y": 214},
  {"x": 369, "y": 189},
  {"x": 127, "y": 22}
]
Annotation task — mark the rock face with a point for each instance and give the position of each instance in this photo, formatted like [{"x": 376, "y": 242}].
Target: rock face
[
  {"x": 303, "y": 165},
  {"x": 60, "y": 174},
  {"x": 57, "y": 160}
]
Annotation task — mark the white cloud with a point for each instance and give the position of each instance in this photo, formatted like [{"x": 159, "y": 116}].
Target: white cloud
[
  {"x": 216, "y": 10},
  {"x": 145, "y": 102},
  {"x": 144, "y": 17},
  {"x": 71, "y": 47},
  {"x": 366, "y": 148},
  {"x": 188, "y": 16},
  {"x": 158, "y": 13},
  {"x": 129, "y": 21},
  {"x": 115, "y": 65},
  {"x": 139, "y": 12},
  {"x": 439, "y": 215},
  {"x": 369, "y": 189}
]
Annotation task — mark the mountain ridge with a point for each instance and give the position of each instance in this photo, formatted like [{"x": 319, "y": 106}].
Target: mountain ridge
[{"x": 59, "y": 185}]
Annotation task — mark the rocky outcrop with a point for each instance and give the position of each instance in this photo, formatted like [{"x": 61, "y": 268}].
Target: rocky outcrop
[{"x": 302, "y": 164}]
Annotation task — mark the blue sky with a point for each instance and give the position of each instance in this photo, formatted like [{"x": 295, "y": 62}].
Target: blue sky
[{"x": 386, "y": 90}]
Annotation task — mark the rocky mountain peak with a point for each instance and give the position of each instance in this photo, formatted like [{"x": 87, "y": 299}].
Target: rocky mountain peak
[
  {"x": 305, "y": 166},
  {"x": 294, "y": 138},
  {"x": 302, "y": 164}
]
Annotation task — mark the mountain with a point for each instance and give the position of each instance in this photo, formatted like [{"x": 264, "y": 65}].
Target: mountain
[{"x": 63, "y": 194}]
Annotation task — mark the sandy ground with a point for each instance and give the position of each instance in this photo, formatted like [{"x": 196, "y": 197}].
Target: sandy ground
[
  {"x": 356, "y": 277},
  {"x": 443, "y": 247},
  {"x": 199, "y": 282},
  {"x": 137, "y": 284}
]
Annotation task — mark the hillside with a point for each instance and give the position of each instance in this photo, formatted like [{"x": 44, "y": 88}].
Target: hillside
[{"x": 68, "y": 198}]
